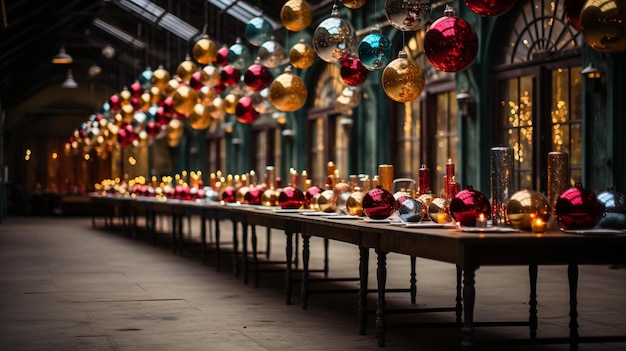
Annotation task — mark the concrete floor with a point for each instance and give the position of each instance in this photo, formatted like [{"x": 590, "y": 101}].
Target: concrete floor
[{"x": 67, "y": 286}]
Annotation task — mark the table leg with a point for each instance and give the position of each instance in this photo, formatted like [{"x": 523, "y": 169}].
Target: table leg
[
  {"x": 255, "y": 256},
  {"x": 572, "y": 276},
  {"x": 181, "y": 238},
  {"x": 306, "y": 254},
  {"x": 174, "y": 234},
  {"x": 203, "y": 236},
  {"x": 459, "y": 290},
  {"x": 235, "y": 250},
  {"x": 288, "y": 256},
  {"x": 413, "y": 284},
  {"x": 469, "y": 296},
  {"x": 381, "y": 278},
  {"x": 244, "y": 249},
  {"x": 268, "y": 243},
  {"x": 326, "y": 269},
  {"x": 532, "y": 318},
  {"x": 364, "y": 254},
  {"x": 217, "y": 244}
]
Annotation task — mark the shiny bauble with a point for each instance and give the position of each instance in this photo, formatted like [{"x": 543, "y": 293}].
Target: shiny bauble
[
  {"x": 229, "y": 194},
  {"x": 291, "y": 197},
  {"x": 614, "y": 206},
  {"x": 296, "y": 15},
  {"x": 125, "y": 96},
  {"x": 221, "y": 59},
  {"x": 210, "y": 194},
  {"x": 338, "y": 190},
  {"x": 171, "y": 86},
  {"x": 206, "y": 95},
  {"x": 439, "y": 210},
  {"x": 490, "y": 8},
  {"x": 288, "y": 92},
  {"x": 257, "y": 77},
  {"x": 258, "y": 31},
  {"x": 378, "y": 204},
  {"x": 323, "y": 201},
  {"x": 603, "y": 25},
  {"x": 185, "y": 69},
  {"x": 269, "y": 197},
  {"x": 155, "y": 95},
  {"x": 411, "y": 210},
  {"x": 334, "y": 39},
  {"x": 578, "y": 208},
  {"x": 403, "y": 79},
  {"x": 526, "y": 205},
  {"x": 301, "y": 55},
  {"x": 271, "y": 53},
  {"x": 127, "y": 112},
  {"x": 353, "y": 4},
  {"x": 238, "y": 55},
  {"x": 136, "y": 89},
  {"x": 354, "y": 203},
  {"x": 245, "y": 111},
  {"x": 175, "y": 129},
  {"x": 145, "y": 77},
  {"x": 230, "y": 76},
  {"x": 451, "y": 43},
  {"x": 253, "y": 196},
  {"x": 198, "y": 79},
  {"x": 229, "y": 103},
  {"x": 213, "y": 75},
  {"x": 309, "y": 194},
  {"x": 426, "y": 199},
  {"x": 184, "y": 99},
  {"x": 200, "y": 117},
  {"x": 114, "y": 103},
  {"x": 572, "y": 12},
  {"x": 400, "y": 197},
  {"x": 467, "y": 205},
  {"x": 408, "y": 15},
  {"x": 160, "y": 77},
  {"x": 352, "y": 71},
  {"x": 241, "y": 193},
  {"x": 204, "y": 50},
  {"x": 375, "y": 50}
]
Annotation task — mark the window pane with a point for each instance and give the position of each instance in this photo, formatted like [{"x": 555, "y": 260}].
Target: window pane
[
  {"x": 408, "y": 133},
  {"x": 318, "y": 171},
  {"x": 446, "y": 137}
]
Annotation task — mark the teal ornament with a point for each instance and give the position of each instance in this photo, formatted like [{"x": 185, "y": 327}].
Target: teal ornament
[
  {"x": 258, "y": 31},
  {"x": 152, "y": 112},
  {"x": 145, "y": 77},
  {"x": 238, "y": 55},
  {"x": 375, "y": 50}
]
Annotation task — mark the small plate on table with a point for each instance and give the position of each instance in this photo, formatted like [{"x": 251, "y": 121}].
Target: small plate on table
[
  {"x": 489, "y": 230},
  {"x": 595, "y": 231}
]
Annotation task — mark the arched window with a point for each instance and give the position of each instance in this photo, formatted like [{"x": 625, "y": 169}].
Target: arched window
[{"x": 539, "y": 92}]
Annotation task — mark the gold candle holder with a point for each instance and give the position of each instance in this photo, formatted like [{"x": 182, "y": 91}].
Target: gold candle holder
[{"x": 385, "y": 177}]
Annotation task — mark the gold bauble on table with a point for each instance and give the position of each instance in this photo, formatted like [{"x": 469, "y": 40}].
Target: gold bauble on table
[
  {"x": 200, "y": 117},
  {"x": 354, "y": 204},
  {"x": 186, "y": 69},
  {"x": 296, "y": 15},
  {"x": 403, "y": 79},
  {"x": 229, "y": 103},
  {"x": 324, "y": 201},
  {"x": 288, "y": 92},
  {"x": 439, "y": 210},
  {"x": 160, "y": 77},
  {"x": 526, "y": 205},
  {"x": 603, "y": 25},
  {"x": 269, "y": 197},
  {"x": 302, "y": 55},
  {"x": 204, "y": 50},
  {"x": 184, "y": 99}
]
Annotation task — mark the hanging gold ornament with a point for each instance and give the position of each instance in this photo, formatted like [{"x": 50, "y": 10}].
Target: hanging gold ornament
[
  {"x": 125, "y": 96},
  {"x": 403, "y": 79},
  {"x": 128, "y": 111},
  {"x": 213, "y": 75},
  {"x": 204, "y": 50},
  {"x": 288, "y": 92},
  {"x": 186, "y": 69},
  {"x": 206, "y": 95},
  {"x": 174, "y": 131},
  {"x": 603, "y": 24},
  {"x": 200, "y": 116},
  {"x": 295, "y": 15},
  {"x": 229, "y": 104},
  {"x": 184, "y": 99},
  {"x": 171, "y": 86},
  {"x": 302, "y": 55},
  {"x": 353, "y": 4},
  {"x": 144, "y": 101},
  {"x": 160, "y": 77},
  {"x": 155, "y": 95}
]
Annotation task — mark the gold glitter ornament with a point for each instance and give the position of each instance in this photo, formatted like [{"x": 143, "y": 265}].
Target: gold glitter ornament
[
  {"x": 302, "y": 55},
  {"x": 184, "y": 99},
  {"x": 403, "y": 79},
  {"x": 296, "y": 15},
  {"x": 288, "y": 92},
  {"x": 186, "y": 69},
  {"x": 204, "y": 50}
]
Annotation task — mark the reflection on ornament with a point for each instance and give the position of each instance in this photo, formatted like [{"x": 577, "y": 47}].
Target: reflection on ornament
[
  {"x": 204, "y": 50},
  {"x": 302, "y": 55},
  {"x": 291, "y": 197},
  {"x": 184, "y": 99},
  {"x": 439, "y": 210},
  {"x": 253, "y": 196},
  {"x": 206, "y": 95},
  {"x": 145, "y": 77},
  {"x": 160, "y": 77},
  {"x": 213, "y": 75},
  {"x": 257, "y": 77},
  {"x": 174, "y": 129},
  {"x": 525, "y": 206},
  {"x": 322, "y": 201},
  {"x": 309, "y": 194},
  {"x": 171, "y": 86},
  {"x": 200, "y": 117},
  {"x": 144, "y": 102},
  {"x": 467, "y": 205},
  {"x": 451, "y": 44},
  {"x": 229, "y": 194},
  {"x": 403, "y": 79},
  {"x": 352, "y": 71},
  {"x": 198, "y": 79},
  {"x": 229, "y": 103},
  {"x": 186, "y": 69},
  {"x": 136, "y": 89},
  {"x": 572, "y": 12},
  {"x": 238, "y": 55},
  {"x": 230, "y": 76},
  {"x": 334, "y": 39},
  {"x": 490, "y": 7},
  {"x": 258, "y": 31},
  {"x": 271, "y": 53},
  {"x": 378, "y": 203},
  {"x": 296, "y": 15},
  {"x": 614, "y": 206},
  {"x": 411, "y": 210},
  {"x": 353, "y": 4},
  {"x": 288, "y": 92},
  {"x": 375, "y": 50},
  {"x": 408, "y": 15},
  {"x": 125, "y": 97},
  {"x": 354, "y": 204},
  {"x": 603, "y": 25},
  {"x": 578, "y": 208},
  {"x": 244, "y": 110},
  {"x": 221, "y": 59}
]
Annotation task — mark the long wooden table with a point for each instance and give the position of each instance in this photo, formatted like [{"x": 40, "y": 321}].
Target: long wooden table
[{"x": 468, "y": 251}]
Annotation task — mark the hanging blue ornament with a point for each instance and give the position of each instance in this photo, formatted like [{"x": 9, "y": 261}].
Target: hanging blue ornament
[
  {"x": 258, "y": 31},
  {"x": 145, "y": 77},
  {"x": 238, "y": 55},
  {"x": 375, "y": 50}
]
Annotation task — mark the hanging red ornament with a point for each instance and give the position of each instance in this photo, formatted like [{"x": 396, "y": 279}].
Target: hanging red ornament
[
  {"x": 244, "y": 110},
  {"x": 221, "y": 59},
  {"x": 197, "y": 79},
  {"x": 451, "y": 43},
  {"x": 230, "y": 76},
  {"x": 572, "y": 12},
  {"x": 136, "y": 89},
  {"x": 152, "y": 128},
  {"x": 114, "y": 102},
  {"x": 257, "y": 77},
  {"x": 490, "y": 7},
  {"x": 353, "y": 72}
]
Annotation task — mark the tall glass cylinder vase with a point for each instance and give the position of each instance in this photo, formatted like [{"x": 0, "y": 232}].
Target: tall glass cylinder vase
[
  {"x": 502, "y": 173},
  {"x": 558, "y": 180}
]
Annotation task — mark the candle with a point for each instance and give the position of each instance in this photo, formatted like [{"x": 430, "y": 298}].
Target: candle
[
  {"x": 481, "y": 221},
  {"x": 306, "y": 182},
  {"x": 538, "y": 225}
]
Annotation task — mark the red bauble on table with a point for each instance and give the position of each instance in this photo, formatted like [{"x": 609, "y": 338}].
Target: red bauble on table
[
  {"x": 451, "y": 43},
  {"x": 253, "y": 196},
  {"x": 378, "y": 204},
  {"x": 228, "y": 194},
  {"x": 467, "y": 205},
  {"x": 309, "y": 194},
  {"x": 578, "y": 208},
  {"x": 291, "y": 197}
]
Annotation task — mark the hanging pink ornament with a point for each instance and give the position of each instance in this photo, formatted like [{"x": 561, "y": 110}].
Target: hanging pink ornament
[
  {"x": 257, "y": 77},
  {"x": 408, "y": 15},
  {"x": 334, "y": 39},
  {"x": 136, "y": 89},
  {"x": 245, "y": 112},
  {"x": 451, "y": 44},
  {"x": 572, "y": 12},
  {"x": 221, "y": 59},
  {"x": 198, "y": 79},
  {"x": 230, "y": 76},
  {"x": 114, "y": 102},
  {"x": 490, "y": 7},
  {"x": 353, "y": 72},
  {"x": 152, "y": 128}
]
